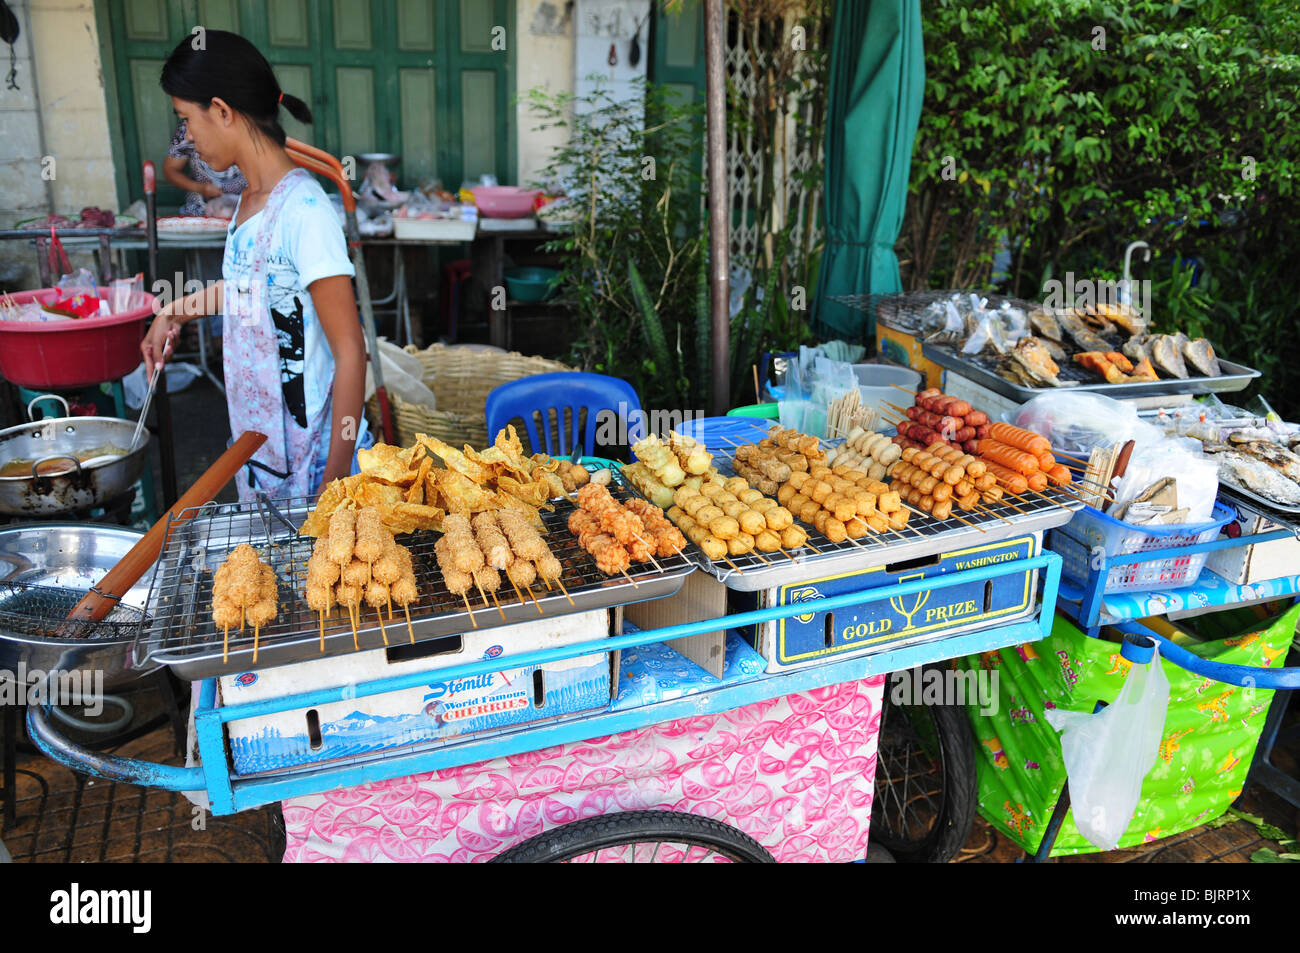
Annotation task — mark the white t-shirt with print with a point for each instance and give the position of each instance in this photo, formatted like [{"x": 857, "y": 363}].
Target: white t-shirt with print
[{"x": 306, "y": 244}]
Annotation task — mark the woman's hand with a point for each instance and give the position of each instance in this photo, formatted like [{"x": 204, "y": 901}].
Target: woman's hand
[
  {"x": 159, "y": 343},
  {"x": 211, "y": 190}
]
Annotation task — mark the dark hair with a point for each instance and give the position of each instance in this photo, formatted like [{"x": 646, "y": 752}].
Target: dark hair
[{"x": 216, "y": 63}]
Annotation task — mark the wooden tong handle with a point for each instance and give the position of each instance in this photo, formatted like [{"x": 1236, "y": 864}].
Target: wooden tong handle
[
  {"x": 94, "y": 606},
  {"x": 1121, "y": 465}
]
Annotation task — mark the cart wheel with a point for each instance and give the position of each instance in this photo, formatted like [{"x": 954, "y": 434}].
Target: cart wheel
[
  {"x": 639, "y": 837},
  {"x": 925, "y": 782}
]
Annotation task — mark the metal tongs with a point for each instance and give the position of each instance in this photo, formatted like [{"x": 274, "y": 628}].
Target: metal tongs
[{"x": 153, "y": 384}]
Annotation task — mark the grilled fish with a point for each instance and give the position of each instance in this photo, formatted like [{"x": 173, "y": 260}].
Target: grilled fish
[
  {"x": 1143, "y": 371},
  {"x": 1045, "y": 325},
  {"x": 1033, "y": 358},
  {"x": 1122, "y": 315},
  {"x": 1200, "y": 355},
  {"x": 1258, "y": 476},
  {"x": 1167, "y": 356},
  {"x": 1087, "y": 339},
  {"x": 1054, "y": 349},
  {"x": 1136, "y": 347}
]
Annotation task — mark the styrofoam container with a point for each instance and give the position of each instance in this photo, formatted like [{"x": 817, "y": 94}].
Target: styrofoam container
[
  {"x": 432, "y": 711},
  {"x": 433, "y": 229},
  {"x": 879, "y": 383}
]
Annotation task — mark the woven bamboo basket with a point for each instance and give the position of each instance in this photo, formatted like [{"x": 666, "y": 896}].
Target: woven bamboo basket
[{"x": 460, "y": 379}]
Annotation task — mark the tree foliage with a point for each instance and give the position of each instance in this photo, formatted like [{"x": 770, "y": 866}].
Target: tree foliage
[{"x": 1057, "y": 131}]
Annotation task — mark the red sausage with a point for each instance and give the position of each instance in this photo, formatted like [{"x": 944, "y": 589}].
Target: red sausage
[
  {"x": 972, "y": 447},
  {"x": 982, "y": 431},
  {"x": 1060, "y": 475},
  {"x": 1046, "y": 461},
  {"x": 964, "y": 434},
  {"x": 1019, "y": 438},
  {"x": 976, "y": 417},
  {"x": 1037, "y": 481}
]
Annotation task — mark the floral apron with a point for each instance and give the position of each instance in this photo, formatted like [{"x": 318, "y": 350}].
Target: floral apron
[{"x": 286, "y": 465}]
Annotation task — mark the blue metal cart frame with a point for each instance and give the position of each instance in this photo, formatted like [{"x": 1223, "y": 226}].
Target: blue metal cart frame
[
  {"x": 1084, "y": 604},
  {"x": 228, "y": 793}
]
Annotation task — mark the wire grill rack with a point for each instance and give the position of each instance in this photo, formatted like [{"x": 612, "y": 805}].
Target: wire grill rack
[
  {"x": 182, "y": 634},
  {"x": 40, "y": 612},
  {"x": 906, "y": 311},
  {"x": 923, "y": 536}
]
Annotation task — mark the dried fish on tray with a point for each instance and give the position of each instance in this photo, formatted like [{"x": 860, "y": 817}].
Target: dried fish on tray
[{"x": 180, "y": 632}]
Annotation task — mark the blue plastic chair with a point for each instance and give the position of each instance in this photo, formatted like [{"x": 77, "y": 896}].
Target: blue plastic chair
[{"x": 550, "y": 395}]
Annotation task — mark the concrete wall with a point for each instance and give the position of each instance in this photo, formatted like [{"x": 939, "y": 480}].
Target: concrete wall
[
  {"x": 544, "y": 58},
  {"x": 61, "y": 111},
  {"x": 55, "y": 153}
]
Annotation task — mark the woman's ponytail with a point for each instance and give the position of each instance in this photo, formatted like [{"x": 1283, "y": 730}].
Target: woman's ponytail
[{"x": 298, "y": 109}]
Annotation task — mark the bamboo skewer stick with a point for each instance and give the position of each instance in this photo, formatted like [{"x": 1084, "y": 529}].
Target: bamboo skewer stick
[
  {"x": 1058, "y": 453},
  {"x": 985, "y": 509},
  {"x": 533, "y": 596},
  {"x": 482, "y": 594},
  {"x": 522, "y": 600},
  {"x": 758, "y": 391},
  {"x": 465, "y": 599},
  {"x": 727, "y": 560},
  {"x": 355, "y": 645},
  {"x": 499, "y": 609},
  {"x": 382, "y": 631},
  {"x": 256, "y": 639},
  {"x": 903, "y": 389},
  {"x": 759, "y": 556},
  {"x": 409, "y": 630},
  {"x": 901, "y": 410},
  {"x": 635, "y": 584},
  {"x": 563, "y": 590},
  {"x": 651, "y": 554},
  {"x": 225, "y": 645},
  {"x": 322, "y": 631}
]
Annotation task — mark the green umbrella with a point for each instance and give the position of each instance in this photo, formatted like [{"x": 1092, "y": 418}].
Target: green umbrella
[{"x": 877, "y": 78}]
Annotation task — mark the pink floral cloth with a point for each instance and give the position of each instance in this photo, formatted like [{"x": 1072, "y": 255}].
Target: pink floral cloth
[{"x": 797, "y": 774}]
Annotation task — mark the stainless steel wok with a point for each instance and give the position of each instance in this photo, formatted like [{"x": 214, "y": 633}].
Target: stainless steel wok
[
  {"x": 58, "y": 483},
  {"x": 45, "y": 568}
]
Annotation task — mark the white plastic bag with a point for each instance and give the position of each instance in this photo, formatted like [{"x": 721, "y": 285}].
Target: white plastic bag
[
  {"x": 1107, "y": 754},
  {"x": 402, "y": 376}
]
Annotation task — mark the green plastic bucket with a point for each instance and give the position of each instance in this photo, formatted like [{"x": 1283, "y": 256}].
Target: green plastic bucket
[{"x": 764, "y": 411}]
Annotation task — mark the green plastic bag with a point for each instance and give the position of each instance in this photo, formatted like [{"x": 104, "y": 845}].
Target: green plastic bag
[{"x": 1209, "y": 739}]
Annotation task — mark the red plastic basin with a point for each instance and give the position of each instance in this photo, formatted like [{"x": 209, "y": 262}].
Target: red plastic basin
[{"x": 77, "y": 353}]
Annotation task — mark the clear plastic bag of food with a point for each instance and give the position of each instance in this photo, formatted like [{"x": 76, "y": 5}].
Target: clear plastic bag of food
[
  {"x": 126, "y": 294},
  {"x": 1078, "y": 421}
]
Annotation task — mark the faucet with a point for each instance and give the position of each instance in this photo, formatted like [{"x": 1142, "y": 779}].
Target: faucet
[
  {"x": 1126, "y": 286},
  {"x": 1128, "y": 255}
]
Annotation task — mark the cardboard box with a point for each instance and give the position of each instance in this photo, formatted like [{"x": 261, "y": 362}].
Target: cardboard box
[
  {"x": 701, "y": 597},
  {"x": 874, "y": 626},
  {"x": 1257, "y": 561},
  {"x": 436, "y": 710}
]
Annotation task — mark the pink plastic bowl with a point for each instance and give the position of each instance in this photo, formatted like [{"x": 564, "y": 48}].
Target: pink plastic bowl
[{"x": 504, "y": 201}]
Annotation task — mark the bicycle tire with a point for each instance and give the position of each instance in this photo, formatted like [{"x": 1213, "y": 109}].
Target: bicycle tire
[
  {"x": 958, "y": 789},
  {"x": 635, "y": 827}
]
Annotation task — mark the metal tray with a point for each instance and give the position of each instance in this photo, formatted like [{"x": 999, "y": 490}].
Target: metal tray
[
  {"x": 1288, "y": 516},
  {"x": 181, "y": 634},
  {"x": 923, "y": 536},
  {"x": 1236, "y": 377}
]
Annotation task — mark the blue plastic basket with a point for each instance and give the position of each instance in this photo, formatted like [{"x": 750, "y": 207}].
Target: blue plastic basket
[{"x": 1092, "y": 533}]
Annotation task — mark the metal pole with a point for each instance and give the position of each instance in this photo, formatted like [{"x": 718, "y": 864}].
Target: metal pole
[
  {"x": 162, "y": 402},
  {"x": 715, "y": 21}
]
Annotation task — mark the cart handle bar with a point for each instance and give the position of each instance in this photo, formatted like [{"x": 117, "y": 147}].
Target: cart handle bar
[
  {"x": 1247, "y": 676},
  {"x": 320, "y": 161}
]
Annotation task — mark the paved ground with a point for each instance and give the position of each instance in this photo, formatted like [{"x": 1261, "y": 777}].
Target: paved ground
[{"x": 66, "y": 817}]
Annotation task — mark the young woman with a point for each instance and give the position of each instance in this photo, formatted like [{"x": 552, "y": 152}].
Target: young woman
[{"x": 294, "y": 353}]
